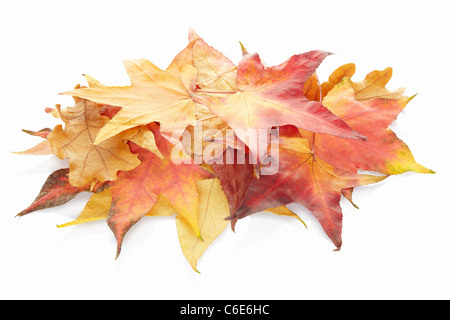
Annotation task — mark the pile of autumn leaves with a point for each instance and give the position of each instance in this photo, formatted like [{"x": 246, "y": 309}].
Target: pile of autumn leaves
[{"x": 119, "y": 142}]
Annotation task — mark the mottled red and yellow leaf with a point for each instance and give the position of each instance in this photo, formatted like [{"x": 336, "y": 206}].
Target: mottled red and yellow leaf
[
  {"x": 306, "y": 179},
  {"x": 273, "y": 96},
  {"x": 383, "y": 151},
  {"x": 135, "y": 192}
]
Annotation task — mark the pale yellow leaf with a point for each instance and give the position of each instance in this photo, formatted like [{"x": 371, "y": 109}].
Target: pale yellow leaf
[
  {"x": 154, "y": 95},
  {"x": 213, "y": 209}
]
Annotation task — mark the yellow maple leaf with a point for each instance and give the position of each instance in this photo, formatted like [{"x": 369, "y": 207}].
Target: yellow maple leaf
[
  {"x": 87, "y": 161},
  {"x": 154, "y": 95}
]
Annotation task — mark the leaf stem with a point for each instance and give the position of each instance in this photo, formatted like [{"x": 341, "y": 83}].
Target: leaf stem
[
  {"x": 313, "y": 141},
  {"x": 207, "y": 118},
  {"x": 320, "y": 101},
  {"x": 216, "y": 92}
]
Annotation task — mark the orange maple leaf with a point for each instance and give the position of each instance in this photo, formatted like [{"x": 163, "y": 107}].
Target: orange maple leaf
[
  {"x": 369, "y": 108},
  {"x": 135, "y": 192}
]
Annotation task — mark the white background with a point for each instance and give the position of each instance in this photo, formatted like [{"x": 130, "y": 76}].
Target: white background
[{"x": 396, "y": 246}]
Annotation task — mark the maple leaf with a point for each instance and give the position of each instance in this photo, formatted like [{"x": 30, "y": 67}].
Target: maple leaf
[
  {"x": 56, "y": 191},
  {"x": 135, "y": 192},
  {"x": 306, "y": 179},
  {"x": 383, "y": 151},
  {"x": 88, "y": 161},
  {"x": 215, "y": 72},
  {"x": 273, "y": 96},
  {"x": 154, "y": 95}
]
